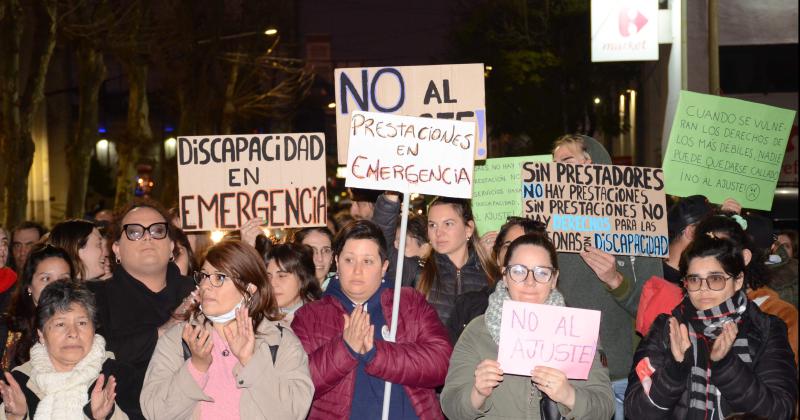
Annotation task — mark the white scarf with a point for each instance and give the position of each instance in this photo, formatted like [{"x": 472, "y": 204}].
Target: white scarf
[{"x": 65, "y": 393}]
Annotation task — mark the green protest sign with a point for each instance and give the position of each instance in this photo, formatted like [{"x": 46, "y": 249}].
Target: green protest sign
[
  {"x": 497, "y": 190},
  {"x": 723, "y": 147}
]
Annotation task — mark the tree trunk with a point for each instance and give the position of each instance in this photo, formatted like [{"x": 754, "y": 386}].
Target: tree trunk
[
  {"x": 138, "y": 133},
  {"x": 91, "y": 73},
  {"x": 18, "y": 110}
]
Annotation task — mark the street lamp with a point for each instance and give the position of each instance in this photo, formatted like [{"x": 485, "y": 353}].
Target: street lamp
[{"x": 270, "y": 31}]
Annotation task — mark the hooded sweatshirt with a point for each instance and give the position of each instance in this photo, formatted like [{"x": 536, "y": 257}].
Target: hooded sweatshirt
[
  {"x": 583, "y": 289},
  {"x": 368, "y": 394}
]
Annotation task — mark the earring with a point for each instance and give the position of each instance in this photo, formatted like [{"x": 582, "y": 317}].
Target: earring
[
  {"x": 29, "y": 293},
  {"x": 118, "y": 261},
  {"x": 171, "y": 258}
]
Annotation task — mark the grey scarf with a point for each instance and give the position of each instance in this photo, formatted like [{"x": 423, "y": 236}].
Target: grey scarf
[{"x": 494, "y": 313}]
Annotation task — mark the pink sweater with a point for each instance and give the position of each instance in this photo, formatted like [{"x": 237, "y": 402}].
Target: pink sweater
[{"x": 218, "y": 383}]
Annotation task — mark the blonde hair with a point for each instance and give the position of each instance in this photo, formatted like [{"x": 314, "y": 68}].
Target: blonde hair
[{"x": 571, "y": 140}]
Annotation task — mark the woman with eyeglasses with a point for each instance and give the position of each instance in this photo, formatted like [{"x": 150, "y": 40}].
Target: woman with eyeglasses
[
  {"x": 476, "y": 386},
  {"x": 290, "y": 271},
  {"x": 45, "y": 264},
  {"x": 230, "y": 358},
  {"x": 320, "y": 239},
  {"x": 146, "y": 292},
  {"x": 716, "y": 353}
]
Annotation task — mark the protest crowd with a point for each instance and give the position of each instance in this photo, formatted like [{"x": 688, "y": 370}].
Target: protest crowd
[{"x": 131, "y": 317}]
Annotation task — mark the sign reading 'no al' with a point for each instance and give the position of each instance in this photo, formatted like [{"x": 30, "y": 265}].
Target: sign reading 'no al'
[
  {"x": 446, "y": 92},
  {"x": 410, "y": 154}
]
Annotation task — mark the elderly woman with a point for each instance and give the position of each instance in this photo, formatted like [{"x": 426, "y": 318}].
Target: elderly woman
[
  {"x": 45, "y": 264},
  {"x": 70, "y": 374},
  {"x": 344, "y": 335},
  {"x": 716, "y": 353},
  {"x": 320, "y": 239},
  {"x": 290, "y": 271},
  {"x": 230, "y": 358},
  {"x": 84, "y": 244},
  {"x": 476, "y": 386},
  {"x": 147, "y": 293}
]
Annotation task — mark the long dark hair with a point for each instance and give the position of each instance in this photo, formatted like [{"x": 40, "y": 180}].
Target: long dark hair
[
  {"x": 298, "y": 259},
  {"x": 244, "y": 267},
  {"x": 71, "y": 236},
  {"x": 429, "y": 278},
  {"x": 21, "y": 314}
]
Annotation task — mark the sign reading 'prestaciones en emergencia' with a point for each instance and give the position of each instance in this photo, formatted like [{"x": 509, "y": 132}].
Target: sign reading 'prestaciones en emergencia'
[
  {"x": 617, "y": 209},
  {"x": 544, "y": 335},
  {"x": 447, "y": 92},
  {"x": 224, "y": 181},
  {"x": 724, "y": 147},
  {"x": 410, "y": 154}
]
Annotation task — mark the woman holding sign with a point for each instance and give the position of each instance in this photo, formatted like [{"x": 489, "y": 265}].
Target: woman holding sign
[
  {"x": 717, "y": 354},
  {"x": 345, "y": 335},
  {"x": 476, "y": 386}
]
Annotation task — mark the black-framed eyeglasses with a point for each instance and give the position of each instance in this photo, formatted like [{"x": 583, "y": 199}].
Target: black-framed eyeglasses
[
  {"x": 715, "y": 282},
  {"x": 519, "y": 273},
  {"x": 217, "y": 279},
  {"x": 135, "y": 231}
]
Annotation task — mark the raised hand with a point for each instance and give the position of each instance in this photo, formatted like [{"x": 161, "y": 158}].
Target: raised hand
[
  {"x": 14, "y": 402},
  {"x": 722, "y": 345},
  {"x": 554, "y": 383},
  {"x": 678, "y": 339},
  {"x": 242, "y": 341},
  {"x": 102, "y": 401},
  {"x": 731, "y": 204},
  {"x": 487, "y": 241},
  {"x": 200, "y": 344},
  {"x": 604, "y": 266},
  {"x": 250, "y": 230}
]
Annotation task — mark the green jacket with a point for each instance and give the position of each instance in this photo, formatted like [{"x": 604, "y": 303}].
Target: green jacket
[{"x": 512, "y": 398}]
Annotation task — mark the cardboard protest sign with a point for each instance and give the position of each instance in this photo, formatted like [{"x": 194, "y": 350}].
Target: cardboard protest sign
[
  {"x": 498, "y": 190},
  {"x": 451, "y": 92},
  {"x": 543, "y": 335},
  {"x": 410, "y": 154},
  {"x": 226, "y": 180},
  {"x": 618, "y": 209},
  {"x": 724, "y": 147}
]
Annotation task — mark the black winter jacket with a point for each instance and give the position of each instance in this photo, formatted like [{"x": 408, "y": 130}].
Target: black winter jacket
[{"x": 767, "y": 387}]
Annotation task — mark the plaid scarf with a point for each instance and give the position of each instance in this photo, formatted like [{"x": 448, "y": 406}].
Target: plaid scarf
[{"x": 704, "y": 327}]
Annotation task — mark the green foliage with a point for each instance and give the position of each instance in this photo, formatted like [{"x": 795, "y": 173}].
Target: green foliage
[{"x": 542, "y": 82}]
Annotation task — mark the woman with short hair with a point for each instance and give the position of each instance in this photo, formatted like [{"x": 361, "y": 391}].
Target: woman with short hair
[
  {"x": 70, "y": 374},
  {"x": 345, "y": 335},
  {"x": 230, "y": 358}
]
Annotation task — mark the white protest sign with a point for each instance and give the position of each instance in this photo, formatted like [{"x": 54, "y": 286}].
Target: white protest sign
[
  {"x": 410, "y": 154},
  {"x": 543, "y": 335},
  {"x": 449, "y": 92},
  {"x": 226, "y": 180}
]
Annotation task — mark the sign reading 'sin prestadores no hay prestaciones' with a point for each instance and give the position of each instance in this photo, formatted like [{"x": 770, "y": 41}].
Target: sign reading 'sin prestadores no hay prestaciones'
[
  {"x": 410, "y": 154},
  {"x": 224, "y": 181},
  {"x": 617, "y": 209}
]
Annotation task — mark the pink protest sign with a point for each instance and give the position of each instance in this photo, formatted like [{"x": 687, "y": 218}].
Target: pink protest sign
[{"x": 543, "y": 335}]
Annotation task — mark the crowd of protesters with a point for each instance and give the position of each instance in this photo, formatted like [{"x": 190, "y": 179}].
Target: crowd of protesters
[{"x": 130, "y": 317}]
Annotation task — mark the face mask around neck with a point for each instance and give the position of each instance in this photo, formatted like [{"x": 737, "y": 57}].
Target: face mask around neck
[{"x": 224, "y": 318}]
